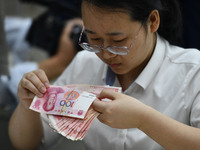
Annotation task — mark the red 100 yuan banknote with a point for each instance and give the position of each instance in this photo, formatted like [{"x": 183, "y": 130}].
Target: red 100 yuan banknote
[{"x": 63, "y": 101}]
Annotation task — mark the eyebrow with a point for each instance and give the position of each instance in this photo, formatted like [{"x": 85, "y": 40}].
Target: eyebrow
[{"x": 109, "y": 34}]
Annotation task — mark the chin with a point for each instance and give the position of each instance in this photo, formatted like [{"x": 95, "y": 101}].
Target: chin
[{"x": 119, "y": 71}]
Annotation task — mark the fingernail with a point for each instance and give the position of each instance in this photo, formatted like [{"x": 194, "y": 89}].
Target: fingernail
[
  {"x": 46, "y": 84},
  {"x": 43, "y": 90},
  {"x": 39, "y": 94}
]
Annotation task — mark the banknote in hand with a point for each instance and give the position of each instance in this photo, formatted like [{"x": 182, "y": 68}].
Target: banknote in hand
[{"x": 65, "y": 101}]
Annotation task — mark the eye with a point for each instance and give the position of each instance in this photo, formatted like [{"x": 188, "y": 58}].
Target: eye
[
  {"x": 119, "y": 41},
  {"x": 95, "y": 39}
]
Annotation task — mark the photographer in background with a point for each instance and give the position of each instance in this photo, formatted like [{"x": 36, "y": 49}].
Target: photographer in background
[{"x": 55, "y": 31}]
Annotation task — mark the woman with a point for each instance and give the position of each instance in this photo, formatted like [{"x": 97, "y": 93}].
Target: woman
[{"x": 159, "y": 107}]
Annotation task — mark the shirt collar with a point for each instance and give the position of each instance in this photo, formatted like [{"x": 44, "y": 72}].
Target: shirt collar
[{"x": 149, "y": 72}]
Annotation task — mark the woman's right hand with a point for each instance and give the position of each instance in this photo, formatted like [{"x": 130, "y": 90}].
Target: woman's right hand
[{"x": 32, "y": 84}]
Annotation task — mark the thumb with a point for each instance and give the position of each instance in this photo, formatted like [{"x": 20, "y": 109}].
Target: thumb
[
  {"x": 107, "y": 94},
  {"x": 103, "y": 99},
  {"x": 98, "y": 105}
]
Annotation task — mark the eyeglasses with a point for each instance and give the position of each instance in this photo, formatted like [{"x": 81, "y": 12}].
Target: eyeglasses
[{"x": 118, "y": 50}]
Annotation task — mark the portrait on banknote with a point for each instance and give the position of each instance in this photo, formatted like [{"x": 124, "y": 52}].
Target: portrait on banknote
[{"x": 51, "y": 97}]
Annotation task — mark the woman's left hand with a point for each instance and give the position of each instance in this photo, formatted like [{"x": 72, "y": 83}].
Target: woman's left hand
[{"x": 121, "y": 112}]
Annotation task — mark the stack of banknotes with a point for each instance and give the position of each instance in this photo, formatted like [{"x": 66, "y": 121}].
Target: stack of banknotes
[{"x": 69, "y": 108}]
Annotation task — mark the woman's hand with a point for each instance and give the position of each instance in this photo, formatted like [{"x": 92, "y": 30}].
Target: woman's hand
[
  {"x": 24, "y": 123},
  {"x": 31, "y": 84},
  {"x": 121, "y": 112}
]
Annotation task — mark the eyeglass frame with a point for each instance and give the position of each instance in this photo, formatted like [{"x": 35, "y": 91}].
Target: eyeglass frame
[{"x": 108, "y": 48}]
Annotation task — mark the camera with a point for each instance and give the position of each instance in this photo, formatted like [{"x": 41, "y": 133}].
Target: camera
[{"x": 74, "y": 36}]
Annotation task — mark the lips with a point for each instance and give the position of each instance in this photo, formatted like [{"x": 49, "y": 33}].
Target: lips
[{"x": 114, "y": 65}]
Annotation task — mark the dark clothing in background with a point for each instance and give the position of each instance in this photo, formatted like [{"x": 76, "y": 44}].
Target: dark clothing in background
[{"x": 191, "y": 23}]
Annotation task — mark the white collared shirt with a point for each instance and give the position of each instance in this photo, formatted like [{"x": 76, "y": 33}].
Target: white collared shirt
[{"x": 169, "y": 83}]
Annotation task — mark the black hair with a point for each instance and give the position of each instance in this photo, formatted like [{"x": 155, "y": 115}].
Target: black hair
[{"x": 170, "y": 15}]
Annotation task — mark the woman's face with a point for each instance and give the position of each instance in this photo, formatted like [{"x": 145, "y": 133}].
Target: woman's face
[{"x": 117, "y": 29}]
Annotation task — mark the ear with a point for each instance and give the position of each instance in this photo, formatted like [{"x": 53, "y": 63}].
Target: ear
[{"x": 154, "y": 20}]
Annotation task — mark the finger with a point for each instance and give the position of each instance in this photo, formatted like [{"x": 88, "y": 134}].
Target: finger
[
  {"x": 34, "y": 80},
  {"x": 107, "y": 93},
  {"x": 102, "y": 118},
  {"x": 99, "y": 106},
  {"x": 77, "y": 21},
  {"x": 31, "y": 95},
  {"x": 29, "y": 87},
  {"x": 27, "y": 96},
  {"x": 74, "y": 21},
  {"x": 43, "y": 77},
  {"x": 24, "y": 93}
]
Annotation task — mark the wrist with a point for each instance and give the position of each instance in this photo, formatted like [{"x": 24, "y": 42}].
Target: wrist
[{"x": 24, "y": 108}]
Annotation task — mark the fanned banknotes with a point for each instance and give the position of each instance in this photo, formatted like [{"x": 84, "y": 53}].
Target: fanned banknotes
[{"x": 69, "y": 108}]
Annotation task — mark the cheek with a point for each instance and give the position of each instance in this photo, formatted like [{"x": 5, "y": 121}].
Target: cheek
[
  {"x": 128, "y": 61},
  {"x": 137, "y": 52},
  {"x": 100, "y": 56}
]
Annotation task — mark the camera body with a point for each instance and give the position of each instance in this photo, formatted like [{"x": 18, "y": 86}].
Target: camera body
[{"x": 75, "y": 34}]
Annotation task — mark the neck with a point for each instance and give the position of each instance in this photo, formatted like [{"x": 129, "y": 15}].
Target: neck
[{"x": 127, "y": 79}]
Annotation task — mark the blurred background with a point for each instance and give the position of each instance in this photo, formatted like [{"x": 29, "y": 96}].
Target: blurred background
[
  {"x": 18, "y": 18},
  {"x": 15, "y": 9}
]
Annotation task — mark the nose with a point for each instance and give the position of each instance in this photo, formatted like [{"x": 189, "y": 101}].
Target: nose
[{"x": 106, "y": 54}]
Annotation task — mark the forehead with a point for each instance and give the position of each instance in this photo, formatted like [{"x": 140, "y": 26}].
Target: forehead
[{"x": 95, "y": 16}]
